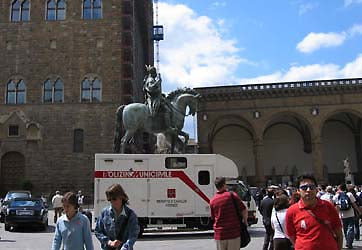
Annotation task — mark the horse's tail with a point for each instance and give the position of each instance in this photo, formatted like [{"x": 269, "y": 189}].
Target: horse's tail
[{"x": 118, "y": 129}]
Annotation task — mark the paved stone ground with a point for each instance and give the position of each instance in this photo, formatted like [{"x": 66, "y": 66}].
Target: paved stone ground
[{"x": 30, "y": 239}]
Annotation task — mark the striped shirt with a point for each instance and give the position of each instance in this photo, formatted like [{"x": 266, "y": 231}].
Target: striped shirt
[{"x": 223, "y": 213}]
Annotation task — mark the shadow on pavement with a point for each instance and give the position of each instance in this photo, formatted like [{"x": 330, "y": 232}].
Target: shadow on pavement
[
  {"x": 168, "y": 237},
  {"x": 2, "y": 240},
  {"x": 23, "y": 229}
]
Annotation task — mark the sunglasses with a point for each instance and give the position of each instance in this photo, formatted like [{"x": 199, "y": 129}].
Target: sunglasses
[
  {"x": 306, "y": 186},
  {"x": 112, "y": 199}
]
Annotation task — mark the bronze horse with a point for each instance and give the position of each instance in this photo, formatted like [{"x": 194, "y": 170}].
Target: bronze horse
[{"x": 136, "y": 117}]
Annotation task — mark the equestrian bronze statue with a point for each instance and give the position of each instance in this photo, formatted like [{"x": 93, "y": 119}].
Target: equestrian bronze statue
[{"x": 159, "y": 114}]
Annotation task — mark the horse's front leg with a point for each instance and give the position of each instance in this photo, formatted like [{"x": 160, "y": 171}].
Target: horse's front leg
[
  {"x": 125, "y": 139},
  {"x": 186, "y": 137}
]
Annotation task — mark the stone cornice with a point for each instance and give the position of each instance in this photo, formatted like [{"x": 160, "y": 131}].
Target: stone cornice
[{"x": 282, "y": 89}]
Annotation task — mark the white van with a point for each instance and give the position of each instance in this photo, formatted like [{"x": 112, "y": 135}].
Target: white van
[{"x": 165, "y": 190}]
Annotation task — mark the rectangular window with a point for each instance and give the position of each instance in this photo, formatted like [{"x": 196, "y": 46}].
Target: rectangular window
[
  {"x": 176, "y": 162},
  {"x": 204, "y": 177},
  {"x": 13, "y": 130},
  {"x": 78, "y": 141}
]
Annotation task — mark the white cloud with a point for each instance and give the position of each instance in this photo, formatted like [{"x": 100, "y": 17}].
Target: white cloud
[
  {"x": 355, "y": 30},
  {"x": 314, "y": 41},
  {"x": 194, "y": 52},
  {"x": 349, "y": 2},
  {"x": 354, "y": 68},
  {"x": 304, "y": 8},
  {"x": 219, "y": 4},
  {"x": 311, "y": 72}
]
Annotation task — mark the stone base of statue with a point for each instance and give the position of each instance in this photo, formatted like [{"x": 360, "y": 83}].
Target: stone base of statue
[{"x": 349, "y": 179}]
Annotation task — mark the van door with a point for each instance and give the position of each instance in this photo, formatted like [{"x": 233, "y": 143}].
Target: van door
[
  {"x": 136, "y": 187},
  {"x": 204, "y": 180}
]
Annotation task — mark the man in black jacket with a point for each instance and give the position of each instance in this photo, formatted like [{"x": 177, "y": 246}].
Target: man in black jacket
[{"x": 265, "y": 209}]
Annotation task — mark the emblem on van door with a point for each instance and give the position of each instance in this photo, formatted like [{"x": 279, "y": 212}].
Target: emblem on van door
[{"x": 171, "y": 193}]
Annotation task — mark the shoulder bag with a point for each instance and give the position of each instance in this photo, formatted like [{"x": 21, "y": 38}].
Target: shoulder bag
[
  {"x": 322, "y": 222},
  {"x": 244, "y": 234}
]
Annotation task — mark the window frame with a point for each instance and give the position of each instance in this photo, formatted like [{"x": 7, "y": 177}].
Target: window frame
[
  {"x": 91, "y": 89},
  {"x": 17, "y": 128},
  {"x": 173, "y": 162},
  {"x": 20, "y": 16},
  {"x": 92, "y": 10},
  {"x": 56, "y": 9},
  {"x": 52, "y": 90},
  {"x": 16, "y": 92}
]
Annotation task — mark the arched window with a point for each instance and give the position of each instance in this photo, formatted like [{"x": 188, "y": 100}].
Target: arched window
[
  {"x": 11, "y": 93},
  {"x": 20, "y": 10},
  {"x": 91, "y": 90},
  {"x": 96, "y": 90},
  {"x": 20, "y": 95},
  {"x": 53, "y": 91},
  {"x": 92, "y": 9},
  {"x": 58, "y": 91},
  {"x": 56, "y": 10},
  {"x": 78, "y": 140},
  {"x": 15, "y": 92}
]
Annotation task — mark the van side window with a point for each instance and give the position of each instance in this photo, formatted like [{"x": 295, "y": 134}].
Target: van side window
[
  {"x": 175, "y": 162},
  {"x": 204, "y": 177}
]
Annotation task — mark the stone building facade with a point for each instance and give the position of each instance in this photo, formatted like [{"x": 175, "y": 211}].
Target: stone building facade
[
  {"x": 65, "y": 68},
  {"x": 276, "y": 131}
]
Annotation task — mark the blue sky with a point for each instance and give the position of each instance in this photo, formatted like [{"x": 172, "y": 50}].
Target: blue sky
[{"x": 225, "y": 42}]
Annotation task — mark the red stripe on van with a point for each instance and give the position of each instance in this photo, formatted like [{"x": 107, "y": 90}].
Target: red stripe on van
[{"x": 153, "y": 174}]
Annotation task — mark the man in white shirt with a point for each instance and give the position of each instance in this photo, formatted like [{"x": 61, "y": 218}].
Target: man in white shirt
[
  {"x": 328, "y": 195},
  {"x": 57, "y": 205}
]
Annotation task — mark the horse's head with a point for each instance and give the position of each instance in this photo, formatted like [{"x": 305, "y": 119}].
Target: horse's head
[{"x": 193, "y": 104}]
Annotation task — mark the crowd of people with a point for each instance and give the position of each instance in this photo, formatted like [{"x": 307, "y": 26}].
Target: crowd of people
[
  {"x": 311, "y": 216},
  {"x": 308, "y": 217}
]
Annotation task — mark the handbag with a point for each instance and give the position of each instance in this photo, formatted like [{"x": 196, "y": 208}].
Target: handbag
[{"x": 244, "y": 234}]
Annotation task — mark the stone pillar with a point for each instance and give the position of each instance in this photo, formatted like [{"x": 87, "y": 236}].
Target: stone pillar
[
  {"x": 258, "y": 162},
  {"x": 317, "y": 157}
]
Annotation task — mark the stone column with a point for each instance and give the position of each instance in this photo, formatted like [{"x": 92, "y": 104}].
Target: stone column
[
  {"x": 258, "y": 162},
  {"x": 317, "y": 157}
]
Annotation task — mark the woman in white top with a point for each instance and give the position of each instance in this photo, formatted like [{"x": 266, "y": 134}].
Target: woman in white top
[{"x": 281, "y": 241}]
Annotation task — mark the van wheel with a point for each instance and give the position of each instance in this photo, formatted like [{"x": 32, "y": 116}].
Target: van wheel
[
  {"x": 142, "y": 229},
  {"x": 205, "y": 224},
  {"x": 7, "y": 227}
]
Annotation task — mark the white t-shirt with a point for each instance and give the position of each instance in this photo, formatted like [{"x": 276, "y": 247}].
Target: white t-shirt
[
  {"x": 345, "y": 213},
  {"x": 278, "y": 233},
  {"x": 327, "y": 197},
  {"x": 57, "y": 201}
]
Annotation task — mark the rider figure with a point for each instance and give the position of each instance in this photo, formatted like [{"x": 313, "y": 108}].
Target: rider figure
[{"x": 155, "y": 100}]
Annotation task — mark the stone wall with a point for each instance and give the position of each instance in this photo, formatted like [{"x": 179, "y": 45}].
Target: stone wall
[{"x": 70, "y": 49}]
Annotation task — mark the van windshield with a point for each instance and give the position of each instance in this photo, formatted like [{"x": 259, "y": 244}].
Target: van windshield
[{"x": 242, "y": 191}]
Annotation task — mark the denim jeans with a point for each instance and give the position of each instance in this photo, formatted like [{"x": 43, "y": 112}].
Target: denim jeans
[
  {"x": 356, "y": 228},
  {"x": 348, "y": 229}
]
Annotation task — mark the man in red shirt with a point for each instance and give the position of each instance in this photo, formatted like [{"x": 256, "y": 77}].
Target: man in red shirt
[
  {"x": 313, "y": 223},
  {"x": 224, "y": 215}
]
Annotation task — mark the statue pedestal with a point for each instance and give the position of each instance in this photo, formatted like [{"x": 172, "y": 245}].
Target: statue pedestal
[{"x": 349, "y": 179}]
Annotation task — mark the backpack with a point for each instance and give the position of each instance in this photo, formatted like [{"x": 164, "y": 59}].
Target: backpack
[
  {"x": 344, "y": 202},
  {"x": 358, "y": 197}
]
